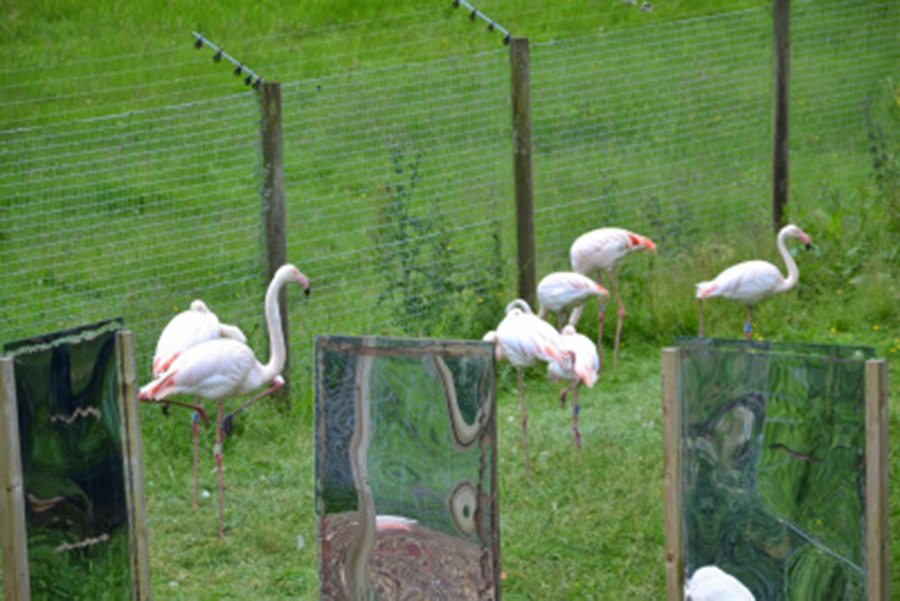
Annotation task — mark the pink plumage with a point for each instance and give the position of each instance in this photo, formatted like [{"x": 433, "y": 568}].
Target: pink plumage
[
  {"x": 580, "y": 367},
  {"x": 222, "y": 368},
  {"x": 567, "y": 290},
  {"x": 600, "y": 250},
  {"x": 523, "y": 338},
  {"x": 753, "y": 281},
  {"x": 190, "y": 328}
]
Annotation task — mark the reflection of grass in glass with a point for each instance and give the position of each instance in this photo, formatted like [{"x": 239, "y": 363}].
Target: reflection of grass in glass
[{"x": 99, "y": 571}]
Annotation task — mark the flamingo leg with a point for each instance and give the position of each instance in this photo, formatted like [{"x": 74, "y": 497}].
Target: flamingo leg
[
  {"x": 226, "y": 424},
  {"x": 748, "y": 325},
  {"x": 524, "y": 419},
  {"x": 576, "y": 409},
  {"x": 700, "y": 319},
  {"x": 621, "y": 315},
  {"x": 166, "y": 402},
  {"x": 217, "y": 455},
  {"x": 195, "y": 429},
  {"x": 601, "y": 315}
]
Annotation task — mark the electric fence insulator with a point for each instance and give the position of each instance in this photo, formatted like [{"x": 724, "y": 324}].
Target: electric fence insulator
[
  {"x": 217, "y": 56},
  {"x": 238, "y": 70},
  {"x": 199, "y": 43},
  {"x": 473, "y": 14}
]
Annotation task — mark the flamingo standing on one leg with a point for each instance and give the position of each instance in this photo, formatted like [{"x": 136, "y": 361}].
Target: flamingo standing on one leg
[
  {"x": 523, "y": 338},
  {"x": 600, "y": 250},
  {"x": 583, "y": 370},
  {"x": 752, "y": 281},
  {"x": 187, "y": 329},
  {"x": 222, "y": 368},
  {"x": 564, "y": 290}
]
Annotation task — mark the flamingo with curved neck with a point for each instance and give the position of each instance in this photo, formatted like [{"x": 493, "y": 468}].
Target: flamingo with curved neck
[
  {"x": 222, "y": 368},
  {"x": 753, "y": 281}
]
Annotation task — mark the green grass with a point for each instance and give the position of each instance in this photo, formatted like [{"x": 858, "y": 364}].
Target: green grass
[{"x": 590, "y": 523}]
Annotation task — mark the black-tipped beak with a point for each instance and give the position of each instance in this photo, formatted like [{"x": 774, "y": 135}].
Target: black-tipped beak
[
  {"x": 308, "y": 290},
  {"x": 808, "y": 246}
]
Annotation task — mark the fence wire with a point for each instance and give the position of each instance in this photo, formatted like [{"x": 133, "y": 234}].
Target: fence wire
[{"x": 399, "y": 182}]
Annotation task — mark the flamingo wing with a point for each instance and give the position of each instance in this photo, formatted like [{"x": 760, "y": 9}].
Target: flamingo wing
[
  {"x": 212, "y": 370},
  {"x": 602, "y": 248},
  {"x": 564, "y": 289},
  {"x": 525, "y": 338},
  {"x": 747, "y": 282}
]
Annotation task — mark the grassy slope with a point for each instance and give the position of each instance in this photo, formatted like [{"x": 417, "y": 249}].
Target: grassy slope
[{"x": 593, "y": 520}]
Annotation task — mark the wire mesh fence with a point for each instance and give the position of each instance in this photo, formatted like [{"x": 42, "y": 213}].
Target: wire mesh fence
[{"x": 399, "y": 181}]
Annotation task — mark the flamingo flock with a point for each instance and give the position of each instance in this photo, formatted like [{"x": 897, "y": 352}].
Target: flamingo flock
[
  {"x": 199, "y": 356},
  {"x": 523, "y": 338}
]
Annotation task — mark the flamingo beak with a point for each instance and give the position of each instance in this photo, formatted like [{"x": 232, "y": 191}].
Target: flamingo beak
[{"x": 805, "y": 240}]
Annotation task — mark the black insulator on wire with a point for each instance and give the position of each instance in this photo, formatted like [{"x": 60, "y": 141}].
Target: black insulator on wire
[
  {"x": 506, "y": 39},
  {"x": 256, "y": 83},
  {"x": 491, "y": 26},
  {"x": 217, "y": 56},
  {"x": 249, "y": 80},
  {"x": 198, "y": 44},
  {"x": 455, "y": 3},
  {"x": 238, "y": 70},
  {"x": 473, "y": 14}
]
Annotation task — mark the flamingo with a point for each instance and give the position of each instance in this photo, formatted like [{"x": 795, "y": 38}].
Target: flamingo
[
  {"x": 752, "y": 281},
  {"x": 523, "y": 338},
  {"x": 710, "y": 583},
  {"x": 600, "y": 249},
  {"x": 187, "y": 329},
  {"x": 583, "y": 370},
  {"x": 221, "y": 368},
  {"x": 563, "y": 290}
]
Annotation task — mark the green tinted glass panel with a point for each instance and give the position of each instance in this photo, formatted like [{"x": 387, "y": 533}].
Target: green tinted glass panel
[
  {"x": 773, "y": 456},
  {"x": 71, "y": 448},
  {"x": 406, "y": 469}
]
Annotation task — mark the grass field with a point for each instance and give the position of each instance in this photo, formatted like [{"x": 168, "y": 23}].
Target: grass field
[{"x": 590, "y": 524}]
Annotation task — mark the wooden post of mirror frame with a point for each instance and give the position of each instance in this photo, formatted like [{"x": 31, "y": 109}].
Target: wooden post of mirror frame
[
  {"x": 12, "y": 497},
  {"x": 674, "y": 520}
]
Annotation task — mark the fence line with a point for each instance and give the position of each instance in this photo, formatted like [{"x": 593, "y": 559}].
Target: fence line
[{"x": 399, "y": 178}]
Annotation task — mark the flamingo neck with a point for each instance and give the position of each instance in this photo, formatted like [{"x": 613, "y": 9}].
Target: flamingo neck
[
  {"x": 793, "y": 272},
  {"x": 276, "y": 333}
]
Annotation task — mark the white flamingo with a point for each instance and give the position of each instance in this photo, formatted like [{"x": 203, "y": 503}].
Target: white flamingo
[
  {"x": 752, "y": 281},
  {"x": 187, "y": 329},
  {"x": 582, "y": 371},
  {"x": 222, "y": 368},
  {"x": 600, "y": 250},
  {"x": 523, "y": 338},
  {"x": 710, "y": 583},
  {"x": 567, "y": 290}
]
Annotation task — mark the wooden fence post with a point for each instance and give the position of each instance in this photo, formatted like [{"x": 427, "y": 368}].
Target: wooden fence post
[
  {"x": 12, "y": 495},
  {"x": 781, "y": 14},
  {"x": 132, "y": 459},
  {"x": 272, "y": 198},
  {"x": 521, "y": 114},
  {"x": 671, "y": 427},
  {"x": 877, "y": 573}
]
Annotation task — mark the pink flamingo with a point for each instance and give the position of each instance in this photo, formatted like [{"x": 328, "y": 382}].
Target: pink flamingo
[
  {"x": 222, "y": 368},
  {"x": 583, "y": 370},
  {"x": 600, "y": 250},
  {"x": 564, "y": 290},
  {"x": 752, "y": 281},
  {"x": 523, "y": 338},
  {"x": 187, "y": 329}
]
